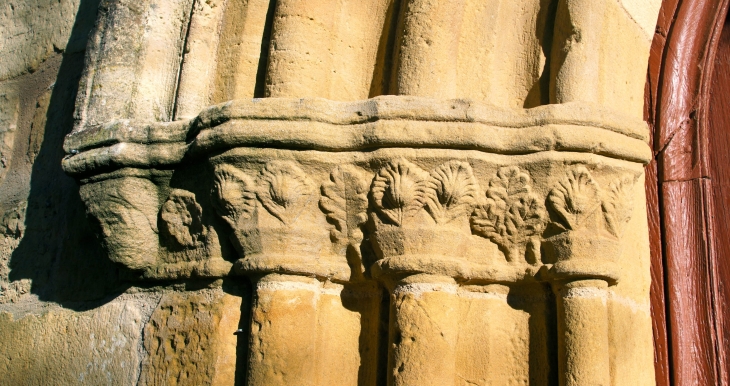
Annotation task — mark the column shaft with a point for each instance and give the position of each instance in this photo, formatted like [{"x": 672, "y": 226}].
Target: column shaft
[
  {"x": 429, "y": 47},
  {"x": 423, "y": 332},
  {"x": 133, "y": 61},
  {"x": 283, "y": 331},
  {"x": 243, "y": 50},
  {"x": 583, "y": 347},
  {"x": 307, "y": 332},
  {"x": 199, "y": 63},
  {"x": 576, "y": 51},
  {"x": 324, "y": 48}
]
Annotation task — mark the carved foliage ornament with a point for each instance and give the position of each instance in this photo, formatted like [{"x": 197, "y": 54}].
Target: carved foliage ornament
[
  {"x": 581, "y": 205},
  {"x": 576, "y": 199},
  {"x": 234, "y": 194},
  {"x": 126, "y": 210},
  {"x": 452, "y": 192},
  {"x": 344, "y": 201},
  {"x": 399, "y": 190},
  {"x": 618, "y": 205},
  {"x": 281, "y": 187},
  {"x": 512, "y": 215},
  {"x": 284, "y": 190}
]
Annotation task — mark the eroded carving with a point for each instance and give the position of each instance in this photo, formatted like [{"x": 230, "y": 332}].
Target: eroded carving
[
  {"x": 284, "y": 190},
  {"x": 344, "y": 201},
  {"x": 618, "y": 204},
  {"x": 592, "y": 222},
  {"x": 576, "y": 199},
  {"x": 581, "y": 205},
  {"x": 181, "y": 219},
  {"x": 512, "y": 216},
  {"x": 234, "y": 194},
  {"x": 399, "y": 190},
  {"x": 126, "y": 211},
  {"x": 452, "y": 193}
]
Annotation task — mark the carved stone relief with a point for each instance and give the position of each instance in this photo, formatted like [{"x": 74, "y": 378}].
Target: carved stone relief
[
  {"x": 591, "y": 221},
  {"x": 453, "y": 192},
  {"x": 416, "y": 192},
  {"x": 445, "y": 220},
  {"x": 181, "y": 218},
  {"x": 512, "y": 216},
  {"x": 344, "y": 202},
  {"x": 399, "y": 190},
  {"x": 234, "y": 195},
  {"x": 126, "y": 211},
  {"x": 444, "y": 203},
  {"x": 284, "y": 190},
  {"x": 576, "y": 199}
]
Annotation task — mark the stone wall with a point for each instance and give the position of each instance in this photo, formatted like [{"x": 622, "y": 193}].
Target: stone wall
[
  {"x": 68, "y": 315},
  {"x": 420, "y": 192}
]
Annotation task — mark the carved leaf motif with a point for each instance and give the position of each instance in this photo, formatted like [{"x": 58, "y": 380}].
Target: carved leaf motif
[
  {"x": 618, "y": 205},
  {"x": 576, "y": 198},
  {"x": 399, "y": 190},
  {"x": 182, "y": 218},
  {"x": 344, "y": 201},
  {"x": 284, "y": 190},
  {"x": 512, "y": 214},
  {"x": 234, "y": 194},
  {"x": 453, "y": 191}
]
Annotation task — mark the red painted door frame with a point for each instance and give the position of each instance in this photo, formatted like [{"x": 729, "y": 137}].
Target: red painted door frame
[{"x": 684, "y": 100}]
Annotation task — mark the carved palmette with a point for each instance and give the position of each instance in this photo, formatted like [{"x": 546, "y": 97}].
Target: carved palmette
[
  {"x": 452, "y": 192},
  {"x": 399, "y": 190},
  {"x": 618, "y": 204},
  {"x": 234, "y": 194},
  {"x": 581, "y": 205},
  {"x": 576, "y": 199},
  {"x": 284, "y": 190}
]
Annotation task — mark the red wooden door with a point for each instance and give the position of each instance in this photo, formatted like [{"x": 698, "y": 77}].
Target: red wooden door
[{"x": 688, "y": 191}]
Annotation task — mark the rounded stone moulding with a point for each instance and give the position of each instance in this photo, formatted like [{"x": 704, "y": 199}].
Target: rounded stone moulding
[{"x": 385, "y": 187}]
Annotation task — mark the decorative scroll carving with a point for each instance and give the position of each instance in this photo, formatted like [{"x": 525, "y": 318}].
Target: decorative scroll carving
[
  {"x": 399, "y": 190},
  {"x": 284, "y": 190},
  {"x": 618, "y": 205},
  {"x": 512, "y": 215},
  {"x": 453, "y": 191},
  {"x": 344, "y": 201},
  {"x": 182, "y": 219},
  {"x": 234, "y": 194},
  {"x": 577, "y": 200}
]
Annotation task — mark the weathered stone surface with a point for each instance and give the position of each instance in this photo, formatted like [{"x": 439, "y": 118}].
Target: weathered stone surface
[
  {"x": 308, "y": 332},
  {"x": 9, "y": 109},
  {"x": 438, "y": 192},
  {"x": 53, "y": 345},
  {"x": 12, "y": 228},
  {"x": 189, "y": 340},
  {"x": 504, "y": 336},
  {"x": 35, "y": 196},
  {"x": 30, "y": 32}
]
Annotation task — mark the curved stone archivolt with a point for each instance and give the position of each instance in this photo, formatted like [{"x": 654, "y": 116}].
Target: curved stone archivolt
[{"x": 476, "y": 160}]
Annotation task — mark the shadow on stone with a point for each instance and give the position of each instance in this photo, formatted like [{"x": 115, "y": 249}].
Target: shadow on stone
[
  {"x": 539, "y": 303},
  {"x": 58, "y": 251},
  {"x": 241, "y": 286}
]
